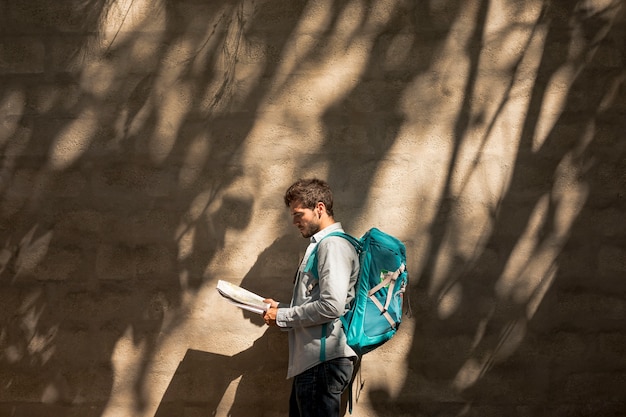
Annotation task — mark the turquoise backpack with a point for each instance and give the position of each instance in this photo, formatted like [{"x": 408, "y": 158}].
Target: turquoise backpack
[{"x": 376, "y": 311}]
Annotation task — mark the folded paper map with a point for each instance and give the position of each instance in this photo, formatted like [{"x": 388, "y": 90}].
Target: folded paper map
[{"x": 241, "y": 297}]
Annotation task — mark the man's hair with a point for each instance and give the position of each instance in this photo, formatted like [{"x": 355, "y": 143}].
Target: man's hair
[{"x": 309, "y": 192}]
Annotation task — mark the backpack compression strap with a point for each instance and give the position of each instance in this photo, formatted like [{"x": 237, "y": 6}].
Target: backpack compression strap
[{"x": 390, "y": 279}]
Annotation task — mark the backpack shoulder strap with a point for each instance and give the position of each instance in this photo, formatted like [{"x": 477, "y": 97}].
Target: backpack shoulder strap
[{"x": 311, "y": 264}]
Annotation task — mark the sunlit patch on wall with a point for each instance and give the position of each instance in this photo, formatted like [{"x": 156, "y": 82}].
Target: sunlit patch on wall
[
  {"x": 13, "y": 106},
  {"x": 450, "y": 301},
  {"x": 467, "y": 375},
  {"x": 73, "y": 141}
]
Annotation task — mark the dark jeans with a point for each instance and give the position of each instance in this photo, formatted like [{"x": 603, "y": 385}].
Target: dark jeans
[{"x": 316, "y": 392}]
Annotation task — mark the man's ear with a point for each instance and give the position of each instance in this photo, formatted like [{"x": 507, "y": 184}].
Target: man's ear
[{"x": 320, "y": 209}]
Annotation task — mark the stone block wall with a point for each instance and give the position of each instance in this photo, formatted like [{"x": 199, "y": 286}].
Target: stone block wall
[{"x": 146, "y": 145}]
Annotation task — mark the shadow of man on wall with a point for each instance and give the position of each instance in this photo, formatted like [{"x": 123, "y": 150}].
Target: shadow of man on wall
[{"x": 256, "y": 375}]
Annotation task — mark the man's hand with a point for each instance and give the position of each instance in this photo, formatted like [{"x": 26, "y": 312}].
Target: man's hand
[{"x": 270, "y": 315}]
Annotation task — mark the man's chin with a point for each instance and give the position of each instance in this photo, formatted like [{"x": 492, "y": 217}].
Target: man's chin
[{"x": 308, "y": 232}]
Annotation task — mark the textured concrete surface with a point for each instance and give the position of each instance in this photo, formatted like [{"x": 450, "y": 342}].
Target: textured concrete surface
[{"x": 145, "y": 147}]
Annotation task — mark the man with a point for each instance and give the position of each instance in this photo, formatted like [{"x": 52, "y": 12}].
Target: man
[{"x": 319, "y": 378}]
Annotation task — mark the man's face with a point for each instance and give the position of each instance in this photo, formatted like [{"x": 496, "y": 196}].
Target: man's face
[{"x": 305, "y": 219}]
